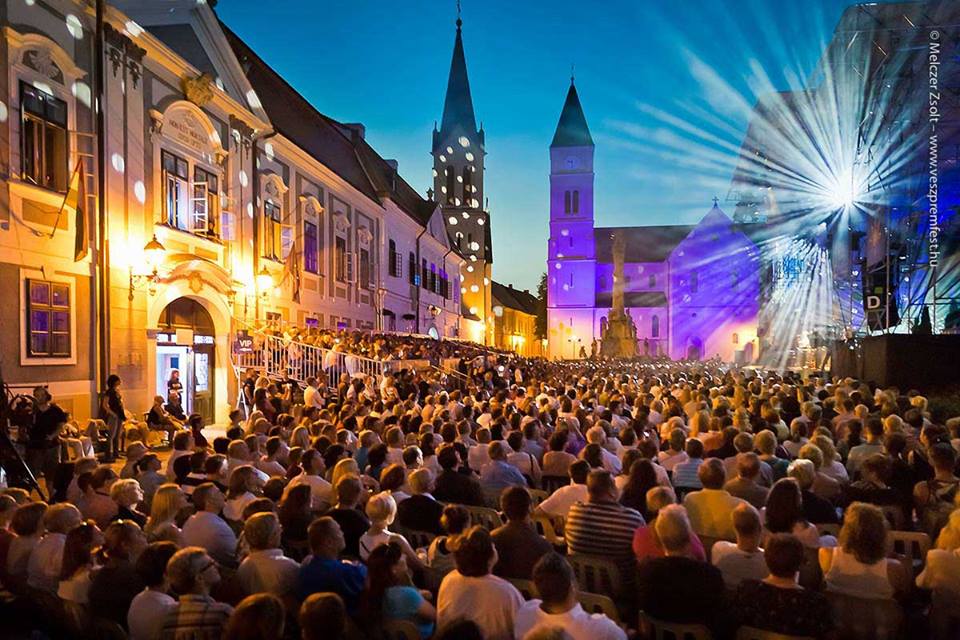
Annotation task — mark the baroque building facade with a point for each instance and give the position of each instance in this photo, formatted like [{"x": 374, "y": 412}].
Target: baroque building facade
[{"x": 228, "y": 201}]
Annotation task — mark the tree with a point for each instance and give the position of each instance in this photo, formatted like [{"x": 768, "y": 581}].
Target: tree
[
  {"x": 541, "y": 326},
  {"x": 924, "y": 328}
]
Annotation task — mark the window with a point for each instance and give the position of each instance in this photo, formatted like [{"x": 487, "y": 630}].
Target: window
[
  {"x": 424, "y": 275},
  {"x": 176, "y": 184},
  {"x": 566, "y": 202},
  {"x": 43, "y": 139},
  {"x": 205, "y": 202},
  {"x": 272, "y": 231},
  {"x": 467, "y": 185},
  {"x": 655, "y": 326},
  {"x": 736, "y": 338},
  {"x": 366, "y": 273},
  {"x": 451, "y": 183},
  {"x": 576, "y": 202},
  {"x": 340, "y": 258},
  {"x": 48, "y": 319},
  {"x": 311, "y": 259},
  {"x": 191, "y": 206},
  {"x": 395, "y": 264},
  {"x": 652, "y": 281},
  {"x": 693, "y": 282},
  {"x": 412, "y": 269},
  {"x": 433, "y": 279}
]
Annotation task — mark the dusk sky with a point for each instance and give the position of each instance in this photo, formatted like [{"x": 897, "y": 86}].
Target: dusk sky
[{"x": 646, "y": 73}]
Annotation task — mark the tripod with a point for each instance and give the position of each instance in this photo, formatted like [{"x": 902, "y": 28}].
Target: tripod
[{"x": 18, "y": 472}]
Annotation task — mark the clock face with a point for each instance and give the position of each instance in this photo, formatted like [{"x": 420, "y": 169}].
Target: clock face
[{"x": 572, "y": 162}]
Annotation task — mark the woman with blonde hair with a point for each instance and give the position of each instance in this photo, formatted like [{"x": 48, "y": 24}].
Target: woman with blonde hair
[
  {"x": 168, "y": 501},
  {"x": 858, "y": 565},
  {"x": 300, "y": 438},
  {"x": 382, "y": 509},
  {"x": 832, "y": 467}
]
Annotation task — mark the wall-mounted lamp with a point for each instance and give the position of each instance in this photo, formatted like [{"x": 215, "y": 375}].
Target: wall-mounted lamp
[
  {"x": 153, "y": 252},
  {"x": 264, "y": 282}
]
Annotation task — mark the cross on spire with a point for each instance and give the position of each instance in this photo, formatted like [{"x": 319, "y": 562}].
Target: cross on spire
[
  {"x": 459, "y": 21},
  {"x": 572, "y": 75},
  {"x": 716, "y": 200}
]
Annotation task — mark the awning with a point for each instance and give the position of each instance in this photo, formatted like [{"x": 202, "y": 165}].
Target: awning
[
  {"x": 409, "y": 316},
  {"x": 387, "y": 312},
  {"x": 471, "y": 316}
]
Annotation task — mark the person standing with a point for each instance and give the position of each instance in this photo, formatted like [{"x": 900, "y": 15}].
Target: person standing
[
  {"x": 43, "y": 444},
  {"x": 111, "y": 412}
]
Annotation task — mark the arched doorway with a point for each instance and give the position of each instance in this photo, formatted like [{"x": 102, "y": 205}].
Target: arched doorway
[
  {"x": 695, "y": 349},
  {"x": 186, "y": 342}
]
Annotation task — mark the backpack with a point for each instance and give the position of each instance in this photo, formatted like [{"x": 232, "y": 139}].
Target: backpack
[{"x": 940, "y": 504}]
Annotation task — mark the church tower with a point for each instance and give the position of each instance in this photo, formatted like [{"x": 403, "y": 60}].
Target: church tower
[
  {"x": 458, "y": 155},
  {"x": 571, "y": 259}
]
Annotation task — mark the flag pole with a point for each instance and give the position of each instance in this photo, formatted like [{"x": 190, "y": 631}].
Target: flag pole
[{"x": 101, "y": 269}]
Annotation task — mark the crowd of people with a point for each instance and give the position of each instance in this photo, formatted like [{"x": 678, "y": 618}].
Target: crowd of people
[{"x": 364, "y": 507}]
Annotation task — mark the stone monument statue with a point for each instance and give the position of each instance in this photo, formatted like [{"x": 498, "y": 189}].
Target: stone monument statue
[{"x": 619, "y": 339}]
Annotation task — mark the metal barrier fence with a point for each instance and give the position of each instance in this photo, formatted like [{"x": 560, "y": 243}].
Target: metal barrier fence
[{"x": 276, "y": 357}]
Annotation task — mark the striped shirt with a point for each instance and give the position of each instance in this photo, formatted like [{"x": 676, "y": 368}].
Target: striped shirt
[
  {"x": 602, "y": 529},
  {"x": 195, "y": 616},
  {"x": 685, "y": 474}
]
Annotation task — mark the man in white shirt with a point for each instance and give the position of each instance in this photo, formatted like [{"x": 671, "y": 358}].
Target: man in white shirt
[
  {"x": 472, "y": 592},
  {"x": 742, "y": 560},
  {"x": 596, "y": 435},
  {"x": 560, "y": 501},
  {"x": 522, "y": 460},
  {"x": 266, "y": 568},
  {"x": 311, "y": 395},
  {"x": 149, "y": 608},
  {"x": 207, "y": 529},
  {"x": 558, "y": 606},
  {"x": 477, "y": 455},
  {"x": 43, "y": 567}
]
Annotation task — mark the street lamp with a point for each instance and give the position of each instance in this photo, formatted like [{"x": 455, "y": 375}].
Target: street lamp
[
  {"x": 153, "y": 252},
  {"x": 264, "y": 281}
]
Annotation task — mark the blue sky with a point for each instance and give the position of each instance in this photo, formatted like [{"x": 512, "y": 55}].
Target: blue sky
[{"x": 645, "y": 71}]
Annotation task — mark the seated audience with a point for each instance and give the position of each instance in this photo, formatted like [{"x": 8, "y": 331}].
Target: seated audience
[
  {"x": 518, "y": 544},
  {"x": 746, "y": 485},
  {"x": 677, "y": 587},
  {"x": 558, "y": 503},
  {"x": 207, "y": 530},
  {"x": 455, "y": 520},
  {"x": 557, "y": 606},
  {"x": 116, "y": 582},
  {"x": 78, "y": 563},
  {"x": 777, "y": 603},
  {"x": 323, "y": 571},
  {"x": 149, "y": 608},
  {"x": 192, "y": 574},
  {"x": 601, "y": 526},
  {"x": 858, "y": 565},
  {"x": 471, "y": 592},
  {"x": 421, "y": 511},
  {"x": 742, "y": 560},
  {"x": 389, "y": 596},
  {"x": 646, "y": 544},
  {"x": 46, "y": 557},
  {"x": 709, "y": 508},
  {"x": 266, "y": 568},
  {"x": 260, "y": 616},
  {"x": 348, "y": 514}
]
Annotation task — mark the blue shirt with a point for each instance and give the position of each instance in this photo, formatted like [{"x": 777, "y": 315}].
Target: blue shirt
[
  {"x": 402, "y": 603},
  {"x": 343, "y": 578},
  {"x": 685, "y": 474},
  {"x": 499, "y": 475}
]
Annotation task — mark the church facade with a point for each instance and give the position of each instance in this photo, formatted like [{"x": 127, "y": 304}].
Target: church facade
[{"x": 691, "y": 290}]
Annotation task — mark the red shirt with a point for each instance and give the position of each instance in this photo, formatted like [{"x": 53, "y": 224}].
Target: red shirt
[{"x": 646, "y": 545}]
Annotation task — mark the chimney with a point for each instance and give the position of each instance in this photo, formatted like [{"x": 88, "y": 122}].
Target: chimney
[
  {"x": 526, "y": 291},
  {"x": 356, "y": 128},
  {"x": 510, "y": 286},
  {"x": 393, "y": 164}
]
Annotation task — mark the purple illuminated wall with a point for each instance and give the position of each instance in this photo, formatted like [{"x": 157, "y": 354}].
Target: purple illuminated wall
[{"x": 714, "y": 287}]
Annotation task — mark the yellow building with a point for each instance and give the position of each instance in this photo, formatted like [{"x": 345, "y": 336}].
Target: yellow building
[{"x": 515, "y": 320}]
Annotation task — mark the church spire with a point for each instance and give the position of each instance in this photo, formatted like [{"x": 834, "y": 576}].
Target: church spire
[
  {"x": 572, "y": 130},
  {"x": 458, "y": 105}
]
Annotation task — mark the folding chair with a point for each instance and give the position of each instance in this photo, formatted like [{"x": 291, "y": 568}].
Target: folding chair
[{"x": 661, "y": 630}]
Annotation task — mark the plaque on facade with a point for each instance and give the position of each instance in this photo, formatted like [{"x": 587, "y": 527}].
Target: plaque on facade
[{"x": 184, "y": 127}]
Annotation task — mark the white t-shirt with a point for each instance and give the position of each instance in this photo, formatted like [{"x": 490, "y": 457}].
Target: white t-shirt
[
  {"x": 737, "y": 565},
  {"x": 577, "y": 623},
  {"x": 489, "y": 601},
  {"x": 148, "y": 609},
  {"x": 560, "y": 501}
]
